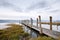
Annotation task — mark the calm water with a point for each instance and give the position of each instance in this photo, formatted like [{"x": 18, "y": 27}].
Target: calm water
[{"x": 4, "y": 22}]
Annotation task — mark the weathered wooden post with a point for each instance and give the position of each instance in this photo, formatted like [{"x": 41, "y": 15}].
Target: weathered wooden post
[
  {"x": 31, "y": 22},
  {"x": 40, "y": 24},
  {"x": 50, "y": 22},
  {"x": 28, "y": 22},
  {"x": 37, "y": 23},
  {"x": 19, "y": 22},
  {"x": 31, "y": 26},
  {"x": 57, "y": 27}
]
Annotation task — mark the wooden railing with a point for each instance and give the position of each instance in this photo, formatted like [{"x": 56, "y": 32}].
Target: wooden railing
[{"x": 48, "y": 32}]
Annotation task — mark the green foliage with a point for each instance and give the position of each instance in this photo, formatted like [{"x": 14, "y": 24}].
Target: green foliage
[
  {"x": 12, "y": 33},
  {"x": 15, "y": 32},
  {"x": 59, "y": 38},
  {"x": 44, "y": 38}
]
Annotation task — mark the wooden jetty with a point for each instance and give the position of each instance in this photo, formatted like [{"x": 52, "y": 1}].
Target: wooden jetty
[{"x": 49, "y": 32}]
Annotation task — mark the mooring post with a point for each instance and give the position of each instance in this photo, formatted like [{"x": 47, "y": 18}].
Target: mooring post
[
  {"x": 50, "y": 22},
  {"x": 40, "y": 24},
  {"x": 57, "y": 27},
  {"x": 31, "y": 22},
  {"x": 31, "y": 26},
  {"x": 37, "y": 23}
]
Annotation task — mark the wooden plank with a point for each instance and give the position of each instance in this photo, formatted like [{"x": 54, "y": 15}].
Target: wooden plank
[
  {"x": 53, "y": 23},
  {"x": 50, "y": 33}
]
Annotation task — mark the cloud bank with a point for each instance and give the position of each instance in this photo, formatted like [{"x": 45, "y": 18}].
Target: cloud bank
[{"x": 25, "y": 9}]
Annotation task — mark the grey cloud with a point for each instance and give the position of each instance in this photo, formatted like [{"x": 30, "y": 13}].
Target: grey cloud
[
  {"x": 4, "y": 3},
  {"x": 54, "y": 11},
  {"x": 44, "y": 5},
  {"x": 28, "y": 5},
  {"x": 58, "y": 1},
  {"x": 40, "y": 5}
]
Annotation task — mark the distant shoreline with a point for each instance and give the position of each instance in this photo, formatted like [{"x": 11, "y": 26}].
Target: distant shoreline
[{"x": 4, "y": 25}]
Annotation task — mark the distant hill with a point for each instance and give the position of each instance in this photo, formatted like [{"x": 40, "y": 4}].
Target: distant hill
[{"x": 9, "y": 21}]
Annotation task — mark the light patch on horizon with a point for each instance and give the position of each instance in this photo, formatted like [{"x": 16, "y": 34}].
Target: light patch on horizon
[{"x": 6, "y": 13}]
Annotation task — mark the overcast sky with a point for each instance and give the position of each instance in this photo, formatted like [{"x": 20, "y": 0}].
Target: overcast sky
[{"x": 25, "y": 9}]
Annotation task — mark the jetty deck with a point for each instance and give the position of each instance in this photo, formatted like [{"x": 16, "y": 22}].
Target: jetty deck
[
  {"x": 49, "y": 32},
  {"x": 53, "y": 34}
]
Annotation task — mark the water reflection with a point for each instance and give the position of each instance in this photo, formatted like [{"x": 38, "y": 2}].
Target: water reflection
[{"x": 32, "y": 33}]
